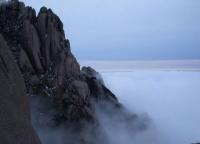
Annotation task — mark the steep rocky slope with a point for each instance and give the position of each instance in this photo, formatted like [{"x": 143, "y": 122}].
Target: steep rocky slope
[
  {"x": 15, "y": 123},
  {"x": 63, "y": 98}
]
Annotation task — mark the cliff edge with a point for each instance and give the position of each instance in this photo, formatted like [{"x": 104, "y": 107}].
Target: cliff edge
[{"x": 37, "y": 64}]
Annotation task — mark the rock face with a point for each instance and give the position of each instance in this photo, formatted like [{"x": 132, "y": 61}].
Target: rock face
[
  {"x": 15, "y": 120},
  {"x": 61, "y": 95}
]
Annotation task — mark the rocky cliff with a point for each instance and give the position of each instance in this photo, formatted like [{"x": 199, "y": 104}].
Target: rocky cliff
[
  {"x": 37, "y": 64},
  {"x": 15, "y": 122}
]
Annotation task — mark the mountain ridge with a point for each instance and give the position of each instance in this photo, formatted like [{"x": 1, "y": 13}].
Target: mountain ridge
[{"x": 62, "y": 97}]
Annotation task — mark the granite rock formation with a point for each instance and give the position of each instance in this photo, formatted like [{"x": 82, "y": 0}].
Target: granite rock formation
[
  {"x": 42, "y": 67},
  {"x": 15, "y": 121}
]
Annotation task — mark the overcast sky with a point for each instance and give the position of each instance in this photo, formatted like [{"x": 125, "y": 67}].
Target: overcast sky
[{"x": 129, "y": 29}]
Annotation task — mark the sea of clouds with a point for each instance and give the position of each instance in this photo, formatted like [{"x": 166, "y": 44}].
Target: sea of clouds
[{"x": 170, "y": 98}]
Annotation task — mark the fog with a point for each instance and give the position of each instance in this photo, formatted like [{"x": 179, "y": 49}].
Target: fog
[
  {"x": 170, "y": 98},
  {"x": 119, "y": 130},
  {"x": 161, "y": 107},
  {"x": 116, "y": 125}
]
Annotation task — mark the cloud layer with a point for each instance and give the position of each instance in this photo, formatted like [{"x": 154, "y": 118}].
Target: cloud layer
[{"x": 170, "y": 98}]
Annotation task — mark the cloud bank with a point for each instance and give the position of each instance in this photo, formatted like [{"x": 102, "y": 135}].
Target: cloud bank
[{"x": 171, "y": 99}]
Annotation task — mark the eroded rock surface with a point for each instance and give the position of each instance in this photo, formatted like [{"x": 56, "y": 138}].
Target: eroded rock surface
[
  {"x": 15, "y": 122},
  {"x": 63, "y": 98}
]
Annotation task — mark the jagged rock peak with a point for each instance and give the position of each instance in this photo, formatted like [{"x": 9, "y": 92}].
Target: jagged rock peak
[
  {"x": 65, "y": 95},
  {"x": 43, "y": 9},
  {"x": 40, "y": 38}
]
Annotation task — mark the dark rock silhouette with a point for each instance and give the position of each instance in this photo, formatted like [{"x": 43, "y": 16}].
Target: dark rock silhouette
[
  {"x": 61, "y": 95},
  {"x": 15, "y": 123}
]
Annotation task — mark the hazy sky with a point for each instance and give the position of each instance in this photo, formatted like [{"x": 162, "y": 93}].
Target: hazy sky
[{"x": 129, "y": 29}]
